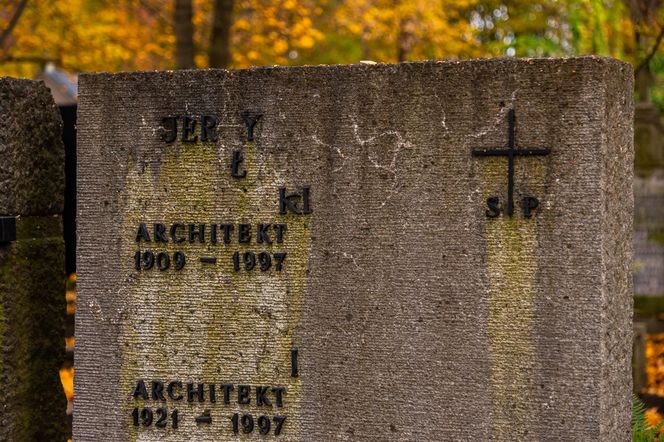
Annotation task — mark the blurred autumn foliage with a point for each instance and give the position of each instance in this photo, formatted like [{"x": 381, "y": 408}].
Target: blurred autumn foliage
[{"x": 104, "y": 35}]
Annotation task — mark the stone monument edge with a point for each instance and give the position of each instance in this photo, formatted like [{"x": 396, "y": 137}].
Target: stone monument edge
[
  {"x": 86, "y": 79},
  {"x": 617, "y": 252}
]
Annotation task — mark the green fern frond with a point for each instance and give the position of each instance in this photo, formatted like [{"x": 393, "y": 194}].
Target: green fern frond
[
  {"x": 641, "y": 430},
  {"x": 639, "y": 422}
]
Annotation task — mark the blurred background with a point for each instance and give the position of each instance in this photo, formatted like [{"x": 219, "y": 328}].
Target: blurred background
[
  {"x": 125, "y": 35},
  {"x": 55, "y": 40}
]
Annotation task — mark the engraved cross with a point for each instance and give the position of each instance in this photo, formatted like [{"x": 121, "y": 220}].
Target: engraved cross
[{"x": 510, "y": 152}]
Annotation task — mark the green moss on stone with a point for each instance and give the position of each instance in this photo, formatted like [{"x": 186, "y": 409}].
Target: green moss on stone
[
  {"x": 512, "y": 266},
  {"x": 32, "y": 288},
  {"x": 242, "y": 329}
]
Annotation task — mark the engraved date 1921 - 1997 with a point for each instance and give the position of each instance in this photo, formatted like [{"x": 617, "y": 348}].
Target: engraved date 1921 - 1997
[
  {"x": 240, "y": 423},
  {"x": 243, "y": 395}
]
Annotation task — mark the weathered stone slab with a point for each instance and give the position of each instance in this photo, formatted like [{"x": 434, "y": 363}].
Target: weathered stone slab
[
  {"x": 409, "y": 304},
  {"x": 32, "y": 280}
]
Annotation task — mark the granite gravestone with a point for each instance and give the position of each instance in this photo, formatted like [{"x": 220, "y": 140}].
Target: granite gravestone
[
  {"x": 425, "y": 251},
  {"x": 32, "y": 264}
]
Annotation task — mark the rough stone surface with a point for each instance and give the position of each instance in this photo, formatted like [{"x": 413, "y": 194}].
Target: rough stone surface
[
  {"x": 415, "y": 316},
  {"x": 32, "y": 303},
  {"x": 31, "y": 152}
]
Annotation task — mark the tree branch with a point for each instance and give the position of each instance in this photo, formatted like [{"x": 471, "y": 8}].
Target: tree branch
[
  {"x": 12, "y": 23},
  {"x": 154, "y": 12},
  {"x": 653, "y": 51},
  {"x": 24, "y": 59}
]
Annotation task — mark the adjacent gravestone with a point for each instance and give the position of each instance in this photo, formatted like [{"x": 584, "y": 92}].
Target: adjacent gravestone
[
  {"x": 426, "y": 251},
  {"x": 648, "y": 264},
  {"x": 32, "y": 280},
  {"x": 649, "y": 208}
]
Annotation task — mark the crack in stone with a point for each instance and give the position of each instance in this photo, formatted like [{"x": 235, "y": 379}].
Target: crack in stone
[{"x": 392, "y": 166}]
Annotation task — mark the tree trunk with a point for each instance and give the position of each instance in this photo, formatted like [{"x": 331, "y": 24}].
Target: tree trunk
[
  {"x": 220, "y": 50},
  {"x": 184, "y": 35},
  {"x": 405, "y": 39}
]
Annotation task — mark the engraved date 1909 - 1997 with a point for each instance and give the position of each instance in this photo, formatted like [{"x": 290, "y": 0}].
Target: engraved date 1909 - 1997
[{"x": 264, "y": 236}]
